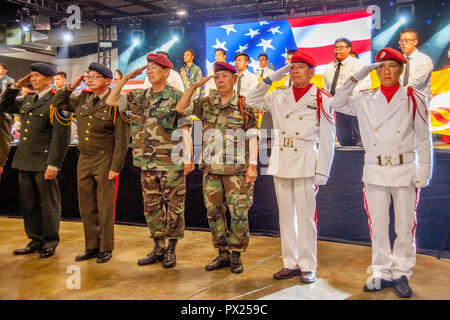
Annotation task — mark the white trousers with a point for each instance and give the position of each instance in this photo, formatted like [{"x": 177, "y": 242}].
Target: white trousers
[
  {"x": 297, "y": 216},
  {"x": 386, "y": 263}
]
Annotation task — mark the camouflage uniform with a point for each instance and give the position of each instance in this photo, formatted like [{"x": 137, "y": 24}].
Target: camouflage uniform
[
  {"x": 224, "y": 169},
  {"x": 153, "y": 121}
]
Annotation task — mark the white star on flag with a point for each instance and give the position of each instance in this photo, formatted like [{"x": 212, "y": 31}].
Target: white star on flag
[
  {"x": 275, "y": 30},
  {"x": 265, "y": 44},
  {"x": 229, "y": 28},
  {"x": 220, "y": 45},
  {"x": 252, "y": 32},
  {"x": 261, "y": 23},
  {"x": 242, "y": 48},
  {"x": 284, "y": 55},
  {"x": 254, "y": 65},
  {"x": 208, "y": 64}
]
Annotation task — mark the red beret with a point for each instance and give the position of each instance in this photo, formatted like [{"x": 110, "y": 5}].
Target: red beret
[
  {"x": 390, "y": 54},
  {"x": 160, "y": 59},
  {"x": 300, "y": 56},
  {"x": 221, "y": 66}
]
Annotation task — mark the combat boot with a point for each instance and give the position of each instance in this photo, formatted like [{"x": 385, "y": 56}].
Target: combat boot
[
  {"x": 170, "y": 259},
  {"x": 156, "y": 255},
  {"x": 221, "y": 261},
  {"x": 236, "y": 263}
]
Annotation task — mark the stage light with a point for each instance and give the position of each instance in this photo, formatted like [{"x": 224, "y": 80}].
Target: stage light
[
  {"x": 181, "y": 12},
  {"x": 136, "y": 42},
  {"x": 437, "y": 44},
  {"x": 26, "y": 28},
  {"x": 67, "y": 36},
  {"x": 382, "y": 39}
]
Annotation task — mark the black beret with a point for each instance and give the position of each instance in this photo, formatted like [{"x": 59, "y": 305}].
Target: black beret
[
  {"x": 44, "y": 68},
  {"x": 104, "y": 71}
]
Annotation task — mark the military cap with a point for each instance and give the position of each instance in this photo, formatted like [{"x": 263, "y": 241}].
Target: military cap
[
  {"x": 43, "y": 68},
  {"x": 300, "y": 56},
  {"x": 104, "y": 71},
  {"x": 160, "y": 59},
  {"x": 390, "y": 54},
  {"x": 223, "y": 66}
]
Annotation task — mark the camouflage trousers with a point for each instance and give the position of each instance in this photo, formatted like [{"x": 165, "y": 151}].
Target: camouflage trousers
[
  {"x": 164, "y": 193},
  {"x": 239, "y": 198}
]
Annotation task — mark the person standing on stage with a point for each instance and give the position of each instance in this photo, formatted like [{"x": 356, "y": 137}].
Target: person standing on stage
[
  {"x": 246, "y": 80},
  {"x": 5, "y": 120},
  {"x": 103, "y": 134},
  {"x": 60, "y": 80},
  {"x": 336, "y": 72},
  {"x": 220, "y": 55},
  {"x": 154, "y": 124},
  {"x": 43, "y": 144},
  {"x": 230, "y": 159},
  {"x": 174, "y": 78},
  {"x": 418, "y": 69},
  {"x": 395, "y": 129},
  {"x": 190, "y": 72},
  {"x": 303, "y": 117},
  {"x": 265, "y": 71}
]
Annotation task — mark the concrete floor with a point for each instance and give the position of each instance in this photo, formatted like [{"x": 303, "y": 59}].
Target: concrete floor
[{"x": 341, "y": 272}]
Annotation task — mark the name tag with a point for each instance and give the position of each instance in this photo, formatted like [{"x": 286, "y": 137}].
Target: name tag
[{"x": 311, "y": 107}]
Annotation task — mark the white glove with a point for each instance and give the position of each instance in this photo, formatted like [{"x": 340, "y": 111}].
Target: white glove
[
  {"x": 420, "y": 181},
  {"x": 320, "y": 179},
  {"x": 364, "y": 72},
  {"x": 279, "y": 74}
]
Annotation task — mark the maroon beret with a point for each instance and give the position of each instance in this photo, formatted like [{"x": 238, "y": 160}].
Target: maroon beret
[
  {"x": 160, "y": 59},
  {"x": 300, "y": 56},
  {"x": 221, "y": 66},
  {"x": 390, "y": 54}
]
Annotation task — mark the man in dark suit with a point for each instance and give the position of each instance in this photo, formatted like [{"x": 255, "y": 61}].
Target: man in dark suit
[{"x": 43, "y": 144}]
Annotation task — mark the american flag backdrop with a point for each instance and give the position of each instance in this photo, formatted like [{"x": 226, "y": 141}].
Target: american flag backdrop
[{"x": 316, "y": 35}]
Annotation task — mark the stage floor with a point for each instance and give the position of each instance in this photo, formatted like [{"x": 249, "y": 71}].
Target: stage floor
[{"x": 341, "y": 272}]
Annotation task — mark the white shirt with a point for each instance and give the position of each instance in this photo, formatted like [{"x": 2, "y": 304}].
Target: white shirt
[
  {"x": 248, "y": 82},
  {"x": 267, "y": 72},
  {"x": 174, "y": 80},
  {"x": 349, "y": 67},
  {"x": 420, "y": 69}
]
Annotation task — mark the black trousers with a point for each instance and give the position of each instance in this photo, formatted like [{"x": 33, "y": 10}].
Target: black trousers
[
  {"x": 40, "y": 200},
  {"x": 347, "y": 130}
]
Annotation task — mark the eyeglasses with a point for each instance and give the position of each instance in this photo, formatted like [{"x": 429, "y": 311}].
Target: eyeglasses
[
  {"x": 93, "y": 77},
  {"x": 405, "y": 40},
  {"x": 340, "y": 48}
]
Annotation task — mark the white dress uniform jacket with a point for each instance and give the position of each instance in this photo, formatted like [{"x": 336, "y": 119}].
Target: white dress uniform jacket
[{"x": 420, "y": 70}]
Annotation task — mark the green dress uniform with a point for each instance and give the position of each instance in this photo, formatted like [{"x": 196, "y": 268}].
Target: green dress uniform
[
  {"x": 103, "y": 135},
  {"x": 153, "y": 123},
  {"x": 5, "y": 125},
  {"x": 225, "y": 163},
  {"x": 44, "y": 141}
]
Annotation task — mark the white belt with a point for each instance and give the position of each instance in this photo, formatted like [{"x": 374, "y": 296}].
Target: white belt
[
  {"x": 390, "y": 160},
  {"x": 295, "y": 143}
]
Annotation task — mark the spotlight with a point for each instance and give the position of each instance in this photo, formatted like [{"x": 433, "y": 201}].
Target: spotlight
[
  {"x": 181, "y": 12},
  {"x": 25, "y": 28},
  {"x": 136, "y": 42},
  {"x": 382, "y": 39},
  {"x": 67, "y": 36}
]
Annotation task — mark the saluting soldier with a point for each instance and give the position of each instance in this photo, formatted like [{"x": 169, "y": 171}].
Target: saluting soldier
[
  {"x": 395, "y": 130},
  {"x": 154, "y": 124},
  {"x": 43, "y": 144},
  {"x": 103, "y": 143},
  {"x": 230, "y": 152},
  {"x": 302, "y": 117}
]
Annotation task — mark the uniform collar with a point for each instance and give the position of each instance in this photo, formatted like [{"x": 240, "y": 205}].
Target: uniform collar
[
  {"x": 413, "y": 55},
  {"x": 343, "y": 62},
  {"x": 233, "y": 102},
  {"x": 43, "y": 93},
  {"x": 164, "y": 94}
]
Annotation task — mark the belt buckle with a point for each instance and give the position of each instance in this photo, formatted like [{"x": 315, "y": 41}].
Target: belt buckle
[
  {"x": 387, "y": 160},
  {"x": 288, "y": 143}
]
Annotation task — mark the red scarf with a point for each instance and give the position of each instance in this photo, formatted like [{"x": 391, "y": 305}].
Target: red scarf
[
  {"x": 300, "y": 92},
  {"x": 389, "y": 91}
]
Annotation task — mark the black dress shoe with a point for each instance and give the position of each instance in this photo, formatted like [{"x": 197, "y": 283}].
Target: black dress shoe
[
  {"x": 377, "y": 284},
  {"x": 27, "y": 250},
  {"x": 104, "y": 257},
  {"x": 402, "y": 288},
  {"x": 46, "y": 252},
  {"x": 88, "y": 254},
  {"x": 221, "y": 261},
  {"x": 308, "y": 276},
  {"x": 286, "y": 273}
]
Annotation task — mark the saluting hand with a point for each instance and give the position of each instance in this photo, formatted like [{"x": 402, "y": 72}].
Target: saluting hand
[
  {"x": 23, "y": 82},
  {"x": 202, "y": 81},
  {"x": 133, "y": 74},
  {"x": 76, "y": 83},
  {"x": 112, "y": 175}
]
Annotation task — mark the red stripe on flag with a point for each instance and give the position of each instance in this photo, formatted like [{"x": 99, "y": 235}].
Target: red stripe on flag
[
  {"x": 325, "y": 54},
  {"x": 332, "y": 18},
  {"x": 439, "y": 117}
]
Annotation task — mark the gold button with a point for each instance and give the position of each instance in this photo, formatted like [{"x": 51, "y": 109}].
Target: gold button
[
  {"x": 90, "y": 117},
  {"x": 25, "y": 138},
  {"x": 28, "y": 121},
  {"x": 281, "y": 149},
  {"x": 284, "y": 132},
  {"x": 87, "y": 131},
  {"x": 376, "y": 130},
  {"x": 301, "y": 118},
  {"x": 26, "y": 130},
  {"x": 105, "y": 111},
  {"x": 87, "y": 138},
  {"x": 30, "y": 114},
  {"x": 41, "y": 115},
  {"x": 102, "y": 151},
  {"x": 295, "y": 150},
  {"x": 287, "y": 116},
  {"x": 374, "y": 144},
  {"x": 89, "y": 124},
  {"x": 45, "y": 151},
  {"x": 398, "y": 131},
  {"x": 399, "y": 147},
  {"x": 297, "y": 133}
]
